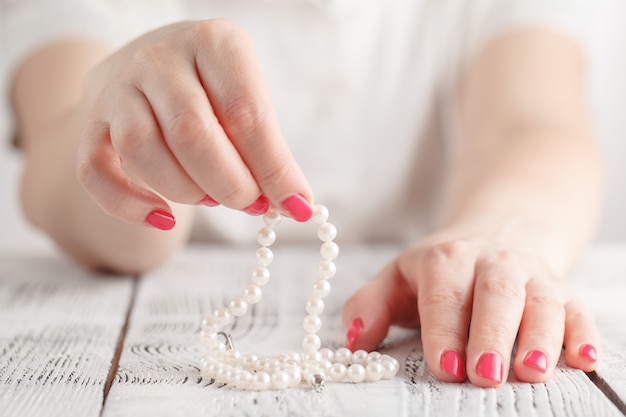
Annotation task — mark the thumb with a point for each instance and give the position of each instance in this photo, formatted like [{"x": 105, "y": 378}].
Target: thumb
[{"x": 387, "y": 299}]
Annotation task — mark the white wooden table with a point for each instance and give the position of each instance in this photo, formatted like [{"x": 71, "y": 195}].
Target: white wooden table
[{"x": 79, "y": 344}]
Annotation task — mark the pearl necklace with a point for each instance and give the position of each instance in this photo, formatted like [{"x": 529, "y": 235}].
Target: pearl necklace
[{"x": 313, "y": 366}]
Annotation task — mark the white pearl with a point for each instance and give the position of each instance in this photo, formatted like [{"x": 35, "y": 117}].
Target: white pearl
[
  {"x": 252, "y": 294},
  {"x": 280, "y": 380},
  {"x": 329, "y": 250},
  {"x": 320, "y": 214},
  {"x": 373, "y": 371},
  {"x": 356, "y": 373},
  {"x": 321, "y": 288},
  {"x": 295, "y": 375},
  {"x": 260, "y": 275},
  {"x": 243, "y": 380},
  {"x": 311, "y": 356},
  {"x": 209, "y": 325},
  {"x": 343, "y": 355},
  {"x": 337, "y": 372},
  {"x": 211, "y": 369},
  {"x": 326, "y": 232},
  {"x": 248, "y": 361},
  {"x": 233, "y": 357},
  {"x": 270, "y": 365},
  {"x": 373, "y": 356},
  {"x": 326, "y": 269},
  {"x": 266, "y": 236},
  {"x": 314, "y": 306},
  {"x": 264, "y": 256},
  {"x": 222, "y": 316},
  {"x": 389, "y": 368},
  {"x": 218, "y": 349},
  {"x": 360, "y": 357},
  {"x": 327, "y": 354},
  {"x": 324, "y": 365},
  {"x": 391, "y": 359},
  {"x": 294, "y": 356},
  {"x": 272, "y": 217},
  {"x": 204, "y": 362},
  {"x": 261, "y": 381},
  {"x": 220, "y": 374},
  {"x": 238, "y": 306},
  {"x": 311, "y": 324},
  {"x": 311, "y": 342}
]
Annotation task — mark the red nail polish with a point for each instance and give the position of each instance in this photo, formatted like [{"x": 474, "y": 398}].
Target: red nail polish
[
  {"x": 160, "y": 219},
  {"x": 588, "y": 352},
  {"x": 451, "y": 363},
  {"x": 260, "y": 206},
  {"x": 537, "y": 359},
  {"x": 297, "y": 208},
  {"x": 490, "y": 366},
  {"x": 208, "y": 201},
  {"x": 355, "y": 329}
]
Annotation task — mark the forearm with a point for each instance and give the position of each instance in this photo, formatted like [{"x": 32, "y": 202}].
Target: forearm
[
  {"x": 527, "y": 168},
  {"x": 47, "y": 97},
  {"x": 541, "y": 188}
]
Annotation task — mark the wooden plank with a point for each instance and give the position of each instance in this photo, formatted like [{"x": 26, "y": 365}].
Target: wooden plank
[
  {"x": 600, "y": 277},
  {"x": 59, "y": 328},
  {"x": 159, "y": 376}
]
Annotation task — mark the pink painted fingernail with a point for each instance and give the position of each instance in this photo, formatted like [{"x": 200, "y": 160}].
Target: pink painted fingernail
[
  {"x": 160, "y": 219},
  {"x": 490, "y": 367},
  {"x": 297, "y": 208},
  {"x": 260, "y": 206},
  {"x": 537, "y": 359},
  {"x": 451, "y": 362},
  {"x": 355, "y": 329},
  {"x": 588, "y": 352},
  {"x": 208, "y": 201}
]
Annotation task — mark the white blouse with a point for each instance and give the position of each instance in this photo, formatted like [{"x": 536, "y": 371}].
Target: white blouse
[{"x": 364, "y": 90}]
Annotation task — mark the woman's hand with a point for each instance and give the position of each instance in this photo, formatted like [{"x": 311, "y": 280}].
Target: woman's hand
[
  {"x": 185, "y": 113},
  {"x": 472, "y": 298}
]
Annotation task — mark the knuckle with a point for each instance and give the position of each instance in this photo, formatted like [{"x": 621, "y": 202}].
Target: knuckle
[
  {"x": 498, "y": 286},
  {"x": 504, "y": 256},
  {"x": 446, "y": 298},
  {"x": 131, "y": 141},
  {"x": 84, "y": 169},
  {"x": 185, "y": 128},
  {"x": 545, "y": 301},
  {"x": 237, "y": 193},
  {"x": 276, "y": 172},
  {"x": 495, "y": 334},
  {"x": 217, "y": 32},
  {"x": 245, "y": 115},
  {"x": 449, "y": 249}
]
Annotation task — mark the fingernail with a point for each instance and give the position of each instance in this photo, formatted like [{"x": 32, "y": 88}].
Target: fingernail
[
  {"x": 160, "y": 219},
  {"x": 355, "y": 329},
  {"x": 297, "y": 208},
  {"x": 260, "y": 206},
  {"x": 451, "y": 363},
  {"x": 208, "y": 201},
  {"x": 588, "y": 352},
  {"x": 537, "y": 359},
  {"x": 490, "y": 367}
]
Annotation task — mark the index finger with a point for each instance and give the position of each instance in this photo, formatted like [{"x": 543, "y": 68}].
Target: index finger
[{"x": 233, "y": 81}]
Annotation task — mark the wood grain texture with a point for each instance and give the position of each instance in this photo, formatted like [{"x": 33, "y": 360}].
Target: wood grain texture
[
  {"x": 600, "y": 277},
  {"x": 59, "y": 327},
  {"x": 158, "y": 373}
]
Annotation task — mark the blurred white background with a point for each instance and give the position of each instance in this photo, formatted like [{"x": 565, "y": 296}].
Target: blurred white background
[{"x": 606, "y": 41}]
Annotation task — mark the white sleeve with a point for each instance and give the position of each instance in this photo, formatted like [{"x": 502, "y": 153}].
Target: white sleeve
[{"x": 495, "y": 17}]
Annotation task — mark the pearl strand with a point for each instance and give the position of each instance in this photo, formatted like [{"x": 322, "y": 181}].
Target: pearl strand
[{"x": 313, "y": 365}]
